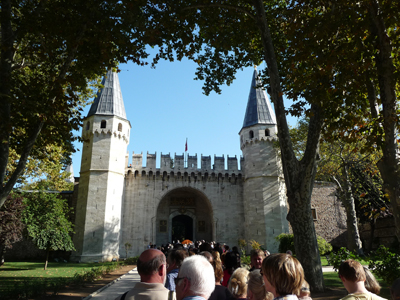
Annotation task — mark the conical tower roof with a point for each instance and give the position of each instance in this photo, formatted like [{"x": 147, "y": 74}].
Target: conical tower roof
[
  {"x": 109, "y": 99},
  {"x": 259, "y": 109}
]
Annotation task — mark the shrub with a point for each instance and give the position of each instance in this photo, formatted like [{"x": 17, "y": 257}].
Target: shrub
[
  {"x": 335, "y": 259},
  {"x": 254, "y": 244},
  {"x": 131, "y": 260},
  {"x": 385, "y": 264},
  {"x": 286, "y": 242},
  {"x": 245, "y": 260},
  {"x": 323, "y": 246}
]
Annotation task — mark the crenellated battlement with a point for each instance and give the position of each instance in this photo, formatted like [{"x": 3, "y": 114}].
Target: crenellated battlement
[{"x": 180, "y": 163}]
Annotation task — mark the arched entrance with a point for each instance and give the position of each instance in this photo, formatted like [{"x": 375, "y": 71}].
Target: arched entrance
[
  {"x": 182, "y": 228},
  {"x": 184, "y": 213}
]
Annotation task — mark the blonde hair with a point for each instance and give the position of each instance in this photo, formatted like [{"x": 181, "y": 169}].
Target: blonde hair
[
  {"x": 238, "y": 282},
  {"x": 305, "y": 289},
  {"x": 371, "y": 284},
  {"x": 284, "y": 272},
  {"x": 216, "y": 256},
  {"x": 256, "y": 286}
]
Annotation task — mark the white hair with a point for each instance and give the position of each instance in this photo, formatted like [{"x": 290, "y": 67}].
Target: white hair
[{"x": 200, "y": 273}]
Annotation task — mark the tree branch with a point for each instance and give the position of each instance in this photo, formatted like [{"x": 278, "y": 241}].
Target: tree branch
[{"x": 229, "y": 7}]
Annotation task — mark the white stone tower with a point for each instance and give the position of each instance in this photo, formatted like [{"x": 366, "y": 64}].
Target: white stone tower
[
  {"x": 105, "y": 135},
  {"x": 264, "y": 192}
]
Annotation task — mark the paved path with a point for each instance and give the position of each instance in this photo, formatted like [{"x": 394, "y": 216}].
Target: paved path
[
  {"x": 128, "y": 281},
  {"x": 328, "y": 269},
  {"x": 117, "y": 287}
]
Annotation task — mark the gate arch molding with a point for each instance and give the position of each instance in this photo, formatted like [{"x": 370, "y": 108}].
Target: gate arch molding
[{"x": 185, "y": 201}]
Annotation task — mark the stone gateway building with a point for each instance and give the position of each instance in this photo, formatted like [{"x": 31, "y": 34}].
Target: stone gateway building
[{"x": 122, "y": 203}]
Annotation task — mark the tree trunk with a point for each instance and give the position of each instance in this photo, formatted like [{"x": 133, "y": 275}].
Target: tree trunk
[
  {"x": 389, "y": 164},
  {"x": 2, "y": 253},
  {"x": 353, "y": 236},
  {"x": 372, "y": 234},
  {"x": 6, "y": 60},
  {"x": 299, "y": 176},
  {"x": 47, "y": 258}
]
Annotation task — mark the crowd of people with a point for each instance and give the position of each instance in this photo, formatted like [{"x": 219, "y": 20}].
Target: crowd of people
[{"x": 213, "y": 272}]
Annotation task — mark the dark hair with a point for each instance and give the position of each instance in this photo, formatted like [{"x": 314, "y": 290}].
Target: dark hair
[
  {"x": 151, "y": 266},
  {"x": 205, "y": 247},
  {"x": 231, "y": 262},
  {"x": 177, "y": 256},
  {"x": 207, "y": 255},
  {"x": 395, "y": 289}
]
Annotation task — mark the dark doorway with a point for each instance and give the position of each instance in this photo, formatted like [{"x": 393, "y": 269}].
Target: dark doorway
[{"x": 182, "y": 228}]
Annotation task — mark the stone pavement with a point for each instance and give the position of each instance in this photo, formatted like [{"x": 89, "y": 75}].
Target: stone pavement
[
  {"x": 117, "y": 287},
  {"x": 127, "y": 282}
]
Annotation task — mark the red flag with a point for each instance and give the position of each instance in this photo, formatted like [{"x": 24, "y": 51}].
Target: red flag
[{"x": 186, "y": 145}]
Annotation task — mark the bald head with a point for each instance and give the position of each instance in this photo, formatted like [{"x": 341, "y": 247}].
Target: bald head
[
  {"x": 150, "y": 266},
  {"x": 150, "y": 254}
]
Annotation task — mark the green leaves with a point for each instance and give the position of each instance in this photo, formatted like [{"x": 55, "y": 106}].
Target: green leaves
[{"x": 46, "y": 218}]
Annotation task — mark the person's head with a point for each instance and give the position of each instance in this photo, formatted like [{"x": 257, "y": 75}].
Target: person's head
[
  {"x": 371, "y": 284},
  {"x": 175, "y": 259},
  {"x": 257, "y": 256},
  {"x": 195, "y": 278},
  {"x": 218, "y": 271},
  {"x": 282, "y": 274},
  {"x": 351, "y": 270},
  {"x": 305, "y": 289},
  {"x": 205, "y": 247},
  {"x": 216, "y": 256},
  {"x": 208, "y": 256},
  {"x": 395, "y": 289},
  {"x": 255, "y": 287},
  {"x": 238, "y": 283},
  {"x": 230, "y": 262},
  {"x": 151, "y": 266}
]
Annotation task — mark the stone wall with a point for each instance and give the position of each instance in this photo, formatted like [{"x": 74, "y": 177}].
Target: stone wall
[
  {"x": 383, "y": 233},
  {"x": 329, "y": 214}
]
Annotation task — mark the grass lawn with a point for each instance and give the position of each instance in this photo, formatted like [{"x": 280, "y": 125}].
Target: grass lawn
[
  {"x": 325, "y": 263},
  {"x": 24, "y": 273},
  {"x": 332, "y": 280}
]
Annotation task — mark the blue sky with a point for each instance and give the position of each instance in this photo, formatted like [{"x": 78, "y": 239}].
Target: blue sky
[{"x": 165, "y": 106}]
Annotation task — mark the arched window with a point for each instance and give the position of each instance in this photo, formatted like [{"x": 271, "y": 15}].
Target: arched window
[
  {"x": 87, "y": 125},
  {"x": 103, "y": 124},
  {"x": 251, "y": 134},
  {"x": 266, "y": 132},
  {"x": 119, "y": 127}
]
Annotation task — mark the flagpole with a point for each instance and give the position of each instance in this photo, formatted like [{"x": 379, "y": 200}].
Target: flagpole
[{"x": 186, "y": 148}]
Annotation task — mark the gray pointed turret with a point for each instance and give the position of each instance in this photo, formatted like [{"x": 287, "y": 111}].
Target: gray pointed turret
[
  {"x": 259, "y": 109},
  {"x": 109, "y": 99},
  {"x": 70, "y": 170}
]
